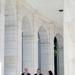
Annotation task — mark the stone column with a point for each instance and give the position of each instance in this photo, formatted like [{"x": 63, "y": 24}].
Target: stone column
[
  {"x": 60, "y": 61},
  {"x": 1, "y": 37},
  {"x": 1, "y": 45},
  {"x": 44, "y": 47},
  {"x": 28, "y": 53},
  {"x": 11, "y": 50},
  {"x": 69, "y": 37},
  {"x": 19, "y": 45},
  {"x": 12, "y": 63},
  {"x": 51, "y": 48},
  {"x": 35, "y": 42}
]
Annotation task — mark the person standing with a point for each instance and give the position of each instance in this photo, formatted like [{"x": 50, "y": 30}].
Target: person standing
[
  {"x": 25, "y": 72},
  {"x": 50, "y": 72},
  {"x": 38, "y": 72}
]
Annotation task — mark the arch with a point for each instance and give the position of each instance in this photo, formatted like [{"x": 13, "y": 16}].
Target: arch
[
  {"x": 27, "y": 45},
  {"x": 60, "y": 40},
  {"x": 43, "y": 50},
  {"x": 10, "y": 41},
  {"x": 59, "y": 55},
  {"x": 43, "y": 35}
]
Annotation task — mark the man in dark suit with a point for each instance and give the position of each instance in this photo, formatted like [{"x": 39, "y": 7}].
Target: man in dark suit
[
  {"x": 38, "y": 72},
  {"x": 25, "y": 72}
]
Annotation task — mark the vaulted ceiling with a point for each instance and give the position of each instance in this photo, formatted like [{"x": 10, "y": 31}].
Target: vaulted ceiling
[{"x": 49, "y": 8}]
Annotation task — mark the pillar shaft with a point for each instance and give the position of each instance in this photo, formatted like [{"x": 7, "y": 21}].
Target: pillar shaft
[
  {"x": 69, "y": 37},
  {"x": 51, "y": 48},
  {"x": 1, "y": 37}
]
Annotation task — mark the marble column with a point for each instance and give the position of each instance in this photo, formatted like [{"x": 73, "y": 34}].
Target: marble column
[
  {"x": 28, "y": 53},
  {"x": 1, "y": 37},
  {"x": 51, "y": 48},
  {"x": 44, "y": 47},
  {"x": 1, "y": 46},
  {"x": 12, "y": 53},
  {"x": 60, "y": 61},
  {"x": 69, "y": 37},
  {"x": 35, "y": 43}
]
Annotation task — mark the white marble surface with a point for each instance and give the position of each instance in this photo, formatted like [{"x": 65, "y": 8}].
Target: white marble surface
[
  {"x": 1, "y": 37},
  {"x": 69, "y": 37}
]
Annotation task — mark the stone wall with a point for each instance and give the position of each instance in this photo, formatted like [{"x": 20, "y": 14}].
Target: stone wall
[{"x": 69, "y": 37}]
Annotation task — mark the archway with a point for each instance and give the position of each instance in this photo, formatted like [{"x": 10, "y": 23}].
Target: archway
[
  {"x": 55, "y": 55},
  {"x": 58, "y": 55},
  {"x": 27, "y": 45},
  {"x": 43, "y": 50},
  {"x": 10, "y": 50}
]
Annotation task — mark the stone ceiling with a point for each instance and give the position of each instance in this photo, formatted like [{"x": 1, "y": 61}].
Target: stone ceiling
[{"x": 49, "y": 8}]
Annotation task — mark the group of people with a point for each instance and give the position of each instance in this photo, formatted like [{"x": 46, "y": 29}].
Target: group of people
[{"x": 38, "y": 72}]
